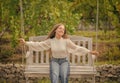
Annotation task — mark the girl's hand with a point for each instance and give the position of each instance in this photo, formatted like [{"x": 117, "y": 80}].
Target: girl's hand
[
  {"x": 94, "y": 53},
  {"x": 22, "y": 41}
]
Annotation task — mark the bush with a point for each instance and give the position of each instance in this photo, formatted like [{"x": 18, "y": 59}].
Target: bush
[
  {"x": 5, "y": 54},
  {"x": 112, "y": 53}
]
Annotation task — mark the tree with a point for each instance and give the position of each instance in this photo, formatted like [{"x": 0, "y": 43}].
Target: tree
[{"x": 41, "y": 15}]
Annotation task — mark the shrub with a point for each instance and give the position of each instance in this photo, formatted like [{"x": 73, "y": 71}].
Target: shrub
[
  {"x": 5, "y": 54},
  {"x": 112, "y": 53}
]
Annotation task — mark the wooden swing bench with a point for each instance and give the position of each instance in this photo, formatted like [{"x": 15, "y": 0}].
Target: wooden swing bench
[{"x": 37, "y": 63}]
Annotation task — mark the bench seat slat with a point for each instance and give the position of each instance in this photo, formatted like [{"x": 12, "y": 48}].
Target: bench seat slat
[{"x": 45, "y": 69}]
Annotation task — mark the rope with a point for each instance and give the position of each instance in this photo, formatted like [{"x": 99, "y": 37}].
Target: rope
[
  {"x": 96, "y": 41},
  {"x": 97, "y": 19},
  {"x": 22, "y": 29}
]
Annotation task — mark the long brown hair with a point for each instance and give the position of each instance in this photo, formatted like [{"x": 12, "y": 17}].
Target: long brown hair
[{"x": 52, "y": 32}]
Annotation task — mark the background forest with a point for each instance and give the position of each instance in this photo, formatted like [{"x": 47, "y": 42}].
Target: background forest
[{"x": 79, "y": 17}]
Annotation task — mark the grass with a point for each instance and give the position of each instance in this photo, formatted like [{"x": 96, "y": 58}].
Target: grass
[{"x": 114, "y": 62}]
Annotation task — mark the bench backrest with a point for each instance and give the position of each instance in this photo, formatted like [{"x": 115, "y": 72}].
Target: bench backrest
[{"x": 42, "y": 57}]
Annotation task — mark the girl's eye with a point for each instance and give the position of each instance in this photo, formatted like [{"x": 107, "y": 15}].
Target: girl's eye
[{"x": 61, "y": 28}]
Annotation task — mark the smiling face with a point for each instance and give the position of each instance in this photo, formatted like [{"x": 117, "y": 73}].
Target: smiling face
[{"x": 60, "y": 31}]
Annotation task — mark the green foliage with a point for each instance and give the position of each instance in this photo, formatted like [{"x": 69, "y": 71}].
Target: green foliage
[
  {"x": 112, "y": 53},
  {"x": 48, "y": 13},
  {"x": 14, "y": 30},
  {"x": 108, "y": 46},
  {"x": 109, "y": 36},
  {"x": 118, "y": 28},
  {"x": 10, "y": 20},
  {"x": 41, "y": 15}
]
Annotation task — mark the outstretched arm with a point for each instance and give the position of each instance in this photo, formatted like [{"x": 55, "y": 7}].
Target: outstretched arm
[
  {"x": 78, "y": 50},
  {"x": 37, "y": 46}
]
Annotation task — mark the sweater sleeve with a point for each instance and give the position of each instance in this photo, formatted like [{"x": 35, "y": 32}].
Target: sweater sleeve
[
  {"x": 39, "y": 46},
  {"x": 76, "y": 49}
]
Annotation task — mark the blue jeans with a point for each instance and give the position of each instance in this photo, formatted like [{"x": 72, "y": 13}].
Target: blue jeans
[{"x": 59, "y": 69}]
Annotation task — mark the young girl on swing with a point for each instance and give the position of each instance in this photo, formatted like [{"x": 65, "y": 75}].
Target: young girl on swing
[{"x": 60, "y": 45}]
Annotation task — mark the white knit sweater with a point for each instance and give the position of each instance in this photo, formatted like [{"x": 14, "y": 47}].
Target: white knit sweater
[{"x": 59, "y": 47}]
